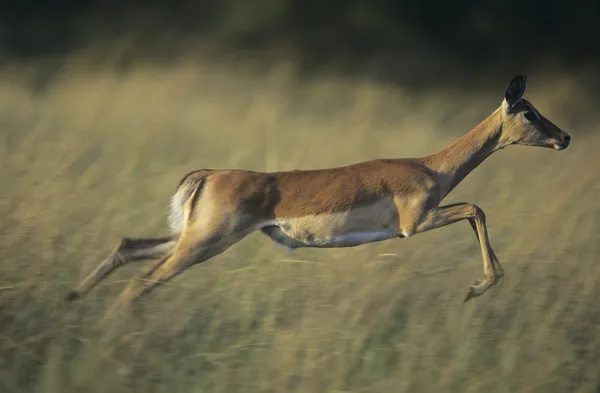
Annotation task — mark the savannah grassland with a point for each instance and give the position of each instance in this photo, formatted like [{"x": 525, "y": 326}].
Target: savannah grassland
[{"x": 95, "y": 155}]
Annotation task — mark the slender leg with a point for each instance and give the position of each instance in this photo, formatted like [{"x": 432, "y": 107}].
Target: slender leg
[
  {"x": 128, "y": 250},
  {"x": 185, "y": 254},
  {"x": 445, "y": 215},
  {"x": 495, "y": 262}
]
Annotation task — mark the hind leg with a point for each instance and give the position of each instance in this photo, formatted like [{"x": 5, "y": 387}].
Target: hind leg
[
  {"x": 188, "y": 252},
  {"x": 128, "y": 250}
]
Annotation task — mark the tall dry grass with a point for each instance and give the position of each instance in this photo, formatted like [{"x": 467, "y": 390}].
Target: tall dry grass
[{"x": 96, "y": 156}]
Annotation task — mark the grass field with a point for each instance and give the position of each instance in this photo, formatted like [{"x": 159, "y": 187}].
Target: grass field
[{"x": 96, "y": 155}]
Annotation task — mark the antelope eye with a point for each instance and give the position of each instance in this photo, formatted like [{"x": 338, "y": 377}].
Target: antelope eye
[{"x": 529, "y": 115}]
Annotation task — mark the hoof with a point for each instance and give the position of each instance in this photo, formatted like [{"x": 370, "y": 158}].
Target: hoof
[
  {"x": 473, "y": 291},
  {"x": 470, "y": 295},
  {"x": 480, "y": 287},
  {"x": 72, "y": 295}
]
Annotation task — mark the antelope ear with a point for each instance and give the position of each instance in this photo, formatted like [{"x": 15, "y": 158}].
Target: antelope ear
[{"x": 515, "y": 89}]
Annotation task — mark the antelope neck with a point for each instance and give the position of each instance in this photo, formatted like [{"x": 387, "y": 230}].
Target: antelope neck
[{"x": 456, "y": 161}]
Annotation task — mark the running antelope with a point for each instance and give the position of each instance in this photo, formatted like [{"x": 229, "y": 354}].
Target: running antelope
[{"x": 337, "y": 207}]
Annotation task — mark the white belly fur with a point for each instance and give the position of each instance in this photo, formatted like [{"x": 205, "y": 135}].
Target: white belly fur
[
  {"x": 353, "y": 239},
  {"x": 367, "y": 224}
]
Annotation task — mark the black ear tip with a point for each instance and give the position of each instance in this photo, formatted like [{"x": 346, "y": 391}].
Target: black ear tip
[{"x": 520, "y": 78}]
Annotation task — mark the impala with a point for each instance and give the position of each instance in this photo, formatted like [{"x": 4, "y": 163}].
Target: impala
[{"x": 337, "y": 207}]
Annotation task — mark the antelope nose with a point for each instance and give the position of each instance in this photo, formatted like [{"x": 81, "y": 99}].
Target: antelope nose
[{"x": 567, "y": 139}]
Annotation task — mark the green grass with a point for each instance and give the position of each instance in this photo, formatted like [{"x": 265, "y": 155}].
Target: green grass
[{"x": 97, "y": 155}]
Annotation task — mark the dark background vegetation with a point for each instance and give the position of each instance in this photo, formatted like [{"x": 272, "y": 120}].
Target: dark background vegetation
[{"x": 469, "y": 36}]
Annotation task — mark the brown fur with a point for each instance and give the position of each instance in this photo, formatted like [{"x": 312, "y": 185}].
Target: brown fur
[{"x": 313, "y": 192}]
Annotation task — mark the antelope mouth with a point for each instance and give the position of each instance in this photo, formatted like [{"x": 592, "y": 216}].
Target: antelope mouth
[
  {"x": 560, "y": 146},
  {"x": 562, "y": 143}
]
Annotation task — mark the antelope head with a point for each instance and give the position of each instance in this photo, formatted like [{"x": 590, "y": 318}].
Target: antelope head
[{"x": 525, "y": 125}]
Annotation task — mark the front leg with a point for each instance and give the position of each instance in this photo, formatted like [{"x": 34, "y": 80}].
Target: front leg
[
  {"x": 498, "y": 269},
  {"x": 445, "y": 215},
  {"x": 495, "y": 262}
]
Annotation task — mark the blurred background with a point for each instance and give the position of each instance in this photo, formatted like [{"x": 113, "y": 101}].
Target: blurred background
[{"x": 105, "y": 105}]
